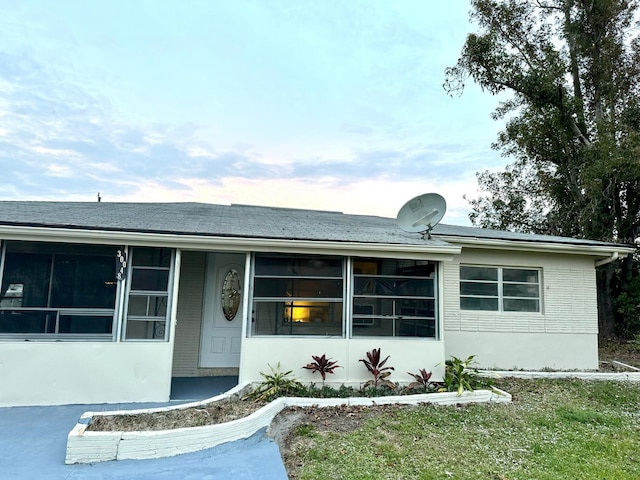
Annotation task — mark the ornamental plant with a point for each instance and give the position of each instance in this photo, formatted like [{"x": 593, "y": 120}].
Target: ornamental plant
[
  {"x": 322, "y": 365},
  {"x": 459, "y": 375},
  {"x": 422, "y": 380},
  {"x": 275, "y": 384},
  {"x": 377, "y": 369}
]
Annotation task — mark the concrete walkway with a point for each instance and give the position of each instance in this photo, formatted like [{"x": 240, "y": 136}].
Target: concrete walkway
[{"x": 33, "y": 442}]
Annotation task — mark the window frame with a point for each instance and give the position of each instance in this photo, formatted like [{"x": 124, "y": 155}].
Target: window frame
[
  {"x": 500, "y": 283},
  {"x": 349, "y": 298},
  {"x": 367, "y": 299},
  {"x": 140, "y": 293},
  {"x": 321, "y": 301},
  {"x": 59, "y": 312}
]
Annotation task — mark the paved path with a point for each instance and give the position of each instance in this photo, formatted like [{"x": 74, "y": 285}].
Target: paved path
[{"x": 33, "y": 442}]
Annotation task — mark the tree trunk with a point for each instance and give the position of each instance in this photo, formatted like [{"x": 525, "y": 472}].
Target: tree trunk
[{"x": 606, "y": 314}]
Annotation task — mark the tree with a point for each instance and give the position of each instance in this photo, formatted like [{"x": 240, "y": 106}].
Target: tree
[{"x": 573, "y": 129}]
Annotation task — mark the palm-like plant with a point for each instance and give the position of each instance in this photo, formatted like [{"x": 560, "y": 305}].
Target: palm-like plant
[
  {"x": 422, "y": 380},
  {"x": 275, "y": 384},
  {"x": 377, "y": 369},
  {"x": 322, "y": 365},
  {"x": 459, "y": 375}
]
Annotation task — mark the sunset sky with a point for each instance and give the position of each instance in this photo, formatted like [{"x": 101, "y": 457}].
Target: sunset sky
[{"x": 329, "y": 105}]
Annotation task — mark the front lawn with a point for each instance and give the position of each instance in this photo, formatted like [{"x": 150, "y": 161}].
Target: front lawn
[{"x": 554, "y": 429}]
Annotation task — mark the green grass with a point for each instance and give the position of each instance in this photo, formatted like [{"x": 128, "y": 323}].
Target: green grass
[{"x": 554, "y": 429}]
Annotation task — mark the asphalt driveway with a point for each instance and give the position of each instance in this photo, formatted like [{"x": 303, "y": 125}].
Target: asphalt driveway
[{"x": 33, "y": 442}]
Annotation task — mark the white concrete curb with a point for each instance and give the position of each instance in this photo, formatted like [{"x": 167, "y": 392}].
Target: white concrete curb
[
  {"x": 618, "y": 376},
  {"x": 89, "y": 447}
]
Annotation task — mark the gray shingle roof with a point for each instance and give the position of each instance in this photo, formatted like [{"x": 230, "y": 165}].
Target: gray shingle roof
[{"x": 241, "y": 221}]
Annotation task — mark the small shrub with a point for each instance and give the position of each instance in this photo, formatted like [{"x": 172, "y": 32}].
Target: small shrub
[
  {"x": 422, "y": 381},
  {"x": 322, "y": 365},
  {"x": 459, "y": 375},
  {"x": 275, "y": 384},
  {"x": 378, "y": 370}
]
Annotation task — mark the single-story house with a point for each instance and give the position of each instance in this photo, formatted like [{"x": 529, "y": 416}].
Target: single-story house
[{"x": 107, "y": 302}]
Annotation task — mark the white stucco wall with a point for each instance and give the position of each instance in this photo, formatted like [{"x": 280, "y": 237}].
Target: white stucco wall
[
  {"x": 406, "y": 355},
  {"x": 58, "y": 373},
  {"x": 529, "y": 351},
  {"x": 563, "y": 335}
]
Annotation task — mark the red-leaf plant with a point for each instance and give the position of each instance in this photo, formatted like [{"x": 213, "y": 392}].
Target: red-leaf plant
[
  {"x": 322, "y": 365},
  {"x": 422, "y": 380},
  {"x": 377, "y": 369}
]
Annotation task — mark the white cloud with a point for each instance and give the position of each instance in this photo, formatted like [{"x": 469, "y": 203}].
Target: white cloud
[
  {"x": 56, "y": 170},
  {"x": 379, "y": 197}
]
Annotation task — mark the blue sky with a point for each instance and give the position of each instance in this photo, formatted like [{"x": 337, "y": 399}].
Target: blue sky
[{"x": 331, "y": 105}]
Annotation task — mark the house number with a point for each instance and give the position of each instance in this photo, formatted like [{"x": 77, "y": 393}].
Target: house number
[
  {"x": 231, "y": 295},
  {"x": 121, "y": 265}
]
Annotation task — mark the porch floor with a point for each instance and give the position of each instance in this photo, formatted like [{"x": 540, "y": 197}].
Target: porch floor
[{"x": 188, "y": 389}]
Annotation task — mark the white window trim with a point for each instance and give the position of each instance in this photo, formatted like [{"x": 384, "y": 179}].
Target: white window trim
[{"x": 500, "y": 282}]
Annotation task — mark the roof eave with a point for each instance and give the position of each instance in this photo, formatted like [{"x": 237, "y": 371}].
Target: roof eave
[
  {"x": 227, "y": 243},
  {"x": 600, "y": 251}
]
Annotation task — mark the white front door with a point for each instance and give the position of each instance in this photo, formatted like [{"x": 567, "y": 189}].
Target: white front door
[{"x": 222, "y": 330}]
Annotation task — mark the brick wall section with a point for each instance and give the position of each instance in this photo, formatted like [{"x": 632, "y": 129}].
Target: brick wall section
[{"x": 568, "y": 287}]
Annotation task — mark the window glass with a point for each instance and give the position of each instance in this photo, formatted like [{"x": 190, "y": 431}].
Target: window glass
[
  {"x": 297, "y": 318},
  {"x": 519, "y": 305},
  {"x": 479, "y": 273},
  {"x": 393, "y": 286},
  {"x": 147, "y": 307},
  {"x": 151, "y": 280},
  {"x": 82, "y": 281},
  {"x": 33, "y": 272},
  {"x": 394, "y": 298},
  {"x": 520, "y": 290},
  {"x": 86, "y": 324},
  {"x": 499, "y": 289},
  {"x": 477, "y": 288},
  {"x": 297, "y": 295},
  {"x": 516, "y": 275},
  {"x": 43, "y": 284},
  {"x": 297, "y": 288},
  {"x": 27, "y": 321},
  {"x": 293, "y": 266},
  {"x": 470, "y": 303},
  {"x": 145, "y": 330},
  {"x": 152, "y": 257}
]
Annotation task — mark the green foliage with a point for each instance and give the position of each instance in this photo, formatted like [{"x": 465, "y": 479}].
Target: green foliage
[
  {"x": 422, "y": 381},
  {"x": 571, "y": 68},
  {"x": 322, "y": 365},
  {"x": 628, "y": 307},
  {"x": 460, "y": 375},
  {"x": 378, "y": 370},
  {"x": 306, "y": 430},
  {"x": 275, "y": 384}
]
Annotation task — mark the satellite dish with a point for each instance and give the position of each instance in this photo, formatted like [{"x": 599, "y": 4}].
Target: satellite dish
[{"x": 422, "y": 213}]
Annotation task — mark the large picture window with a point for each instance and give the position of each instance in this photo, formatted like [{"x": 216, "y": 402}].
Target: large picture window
[
  {"x": 297, "y": 295},
  {"x": 54, "y": 290},
  {"x": 305, "y": 295},
  {"x": 499, "y": 289},
  {"x": 394, "y": 298}
]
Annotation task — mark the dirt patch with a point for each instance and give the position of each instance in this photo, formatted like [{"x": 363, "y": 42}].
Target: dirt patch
[
  {"x": 210, "y": 414},
  {"x": 624, "y": 351}
]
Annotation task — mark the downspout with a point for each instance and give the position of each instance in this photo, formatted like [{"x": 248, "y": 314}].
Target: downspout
[{"x": 604, "y": 261}]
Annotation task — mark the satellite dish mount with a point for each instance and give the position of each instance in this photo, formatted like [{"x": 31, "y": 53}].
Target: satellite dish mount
[{"x": 421, "y": 214}]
